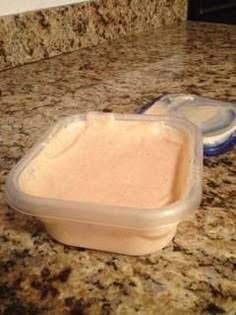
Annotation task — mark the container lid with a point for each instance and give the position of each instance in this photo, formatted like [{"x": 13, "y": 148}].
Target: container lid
[{"x": 216, "y": 119}]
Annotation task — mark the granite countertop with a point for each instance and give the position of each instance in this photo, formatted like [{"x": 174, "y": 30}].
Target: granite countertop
[
  {"x": 195, "y": 273},
  {"x": 40, "y": 34}
]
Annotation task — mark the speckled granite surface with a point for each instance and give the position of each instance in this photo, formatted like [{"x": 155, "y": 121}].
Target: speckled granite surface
[
  {"x": 195, "y": 273},
  {"x": 37, "y": 35}
]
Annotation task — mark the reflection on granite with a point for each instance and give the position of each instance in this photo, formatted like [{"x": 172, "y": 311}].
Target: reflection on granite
[
  {"x": 195, "y": 273},
  {"x": 37, "y": 35}
]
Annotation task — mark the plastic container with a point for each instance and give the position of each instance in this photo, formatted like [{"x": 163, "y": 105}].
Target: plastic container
[
  {"x": 215, "y": 118},
  {"x": 125, "y": 230}
]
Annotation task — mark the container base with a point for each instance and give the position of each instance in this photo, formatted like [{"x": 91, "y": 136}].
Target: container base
[{"x": 110, "y": 239}]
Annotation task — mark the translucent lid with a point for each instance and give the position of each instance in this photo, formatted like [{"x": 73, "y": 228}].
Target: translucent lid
[{"x": 216, "y": 119}]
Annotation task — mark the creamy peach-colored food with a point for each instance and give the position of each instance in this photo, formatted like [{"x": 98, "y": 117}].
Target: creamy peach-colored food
[{"x": 139, "y": 164}]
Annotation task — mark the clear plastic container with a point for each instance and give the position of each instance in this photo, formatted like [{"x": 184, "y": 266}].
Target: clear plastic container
[{"x": 125, "y": 230}]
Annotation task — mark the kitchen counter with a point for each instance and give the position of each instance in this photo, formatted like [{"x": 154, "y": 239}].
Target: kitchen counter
[
  {"x": 40, "y": 34},
  {"x": 195, "y": 273}
]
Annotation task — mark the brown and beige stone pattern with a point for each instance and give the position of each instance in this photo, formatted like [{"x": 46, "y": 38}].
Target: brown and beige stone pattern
[
  {"x": 195, "y": 273},
  {"x": 37, "y": 35}
]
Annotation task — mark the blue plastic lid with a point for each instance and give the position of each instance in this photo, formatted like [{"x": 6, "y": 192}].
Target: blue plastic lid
[{"x": 216, "y": 119}]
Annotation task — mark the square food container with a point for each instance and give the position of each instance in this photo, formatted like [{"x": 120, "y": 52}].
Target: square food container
[{"x": 132, "y": 231}]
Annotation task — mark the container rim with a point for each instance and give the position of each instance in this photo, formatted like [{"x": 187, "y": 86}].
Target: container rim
[{"x": 110, "y": 215}]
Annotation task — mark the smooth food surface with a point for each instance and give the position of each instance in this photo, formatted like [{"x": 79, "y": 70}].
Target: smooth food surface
[{"x": 142, "y": 164}]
